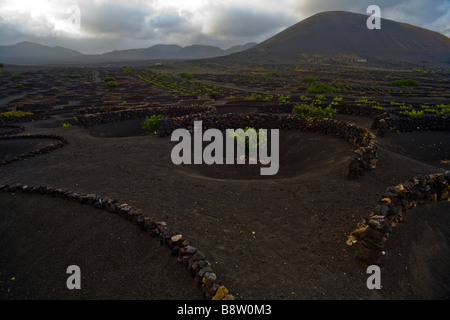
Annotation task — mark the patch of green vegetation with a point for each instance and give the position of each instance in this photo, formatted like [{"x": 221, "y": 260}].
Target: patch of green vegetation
[
  {"x": 111, "y": 84},
  {"x": 259, "y": 140},
  {"x": 108, "y": 79},
  {"x": 368, "y": 102},
  {"x": 310, "y": 80},
  {"x": 305, "y": 98},
  {"x": 17, "y": 76},
  {"x": 413, "y": 113},
  {"x": 253, "y": 96},
  {"x": 272, "y": 74},
  {"x": 439, "y": 109},
  {"x": 6, "y": 72},
  {"x": 284, "y": 99},
  {"x": 19, "y": 85},
  {"x": 311, "y": 110},
  {"x": 66, "y": 124},
  {"x": 187, "y": 75},
  {"x": 151, "y": 124},
  {"x": 405, "y": 82},
  {"x": 322, "y": 88},
  {"x": 14, "y": 114},
  {"x": 442, "y": 109},
  {"x": 73, "y": 76},
  {"x": 403, "y": 106}
]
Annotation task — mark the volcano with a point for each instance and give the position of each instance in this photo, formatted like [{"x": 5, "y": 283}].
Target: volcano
[{"x": 340, "y": 34}]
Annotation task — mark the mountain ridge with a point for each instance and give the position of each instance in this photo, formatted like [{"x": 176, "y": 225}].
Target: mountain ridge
[{"x": 27, "y": 52}]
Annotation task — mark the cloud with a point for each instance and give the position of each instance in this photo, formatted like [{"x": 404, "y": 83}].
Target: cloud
[
  {"x": 113, "y": 18},
  {"x": 244, "y": 22}
]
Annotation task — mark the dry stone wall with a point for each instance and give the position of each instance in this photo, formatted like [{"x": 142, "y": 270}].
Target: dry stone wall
[
  {"x": 190, "y": 257},
  {"x": 365, "y": 154},
  {"x": 60, "y": 142},
  {"x": 372, "y": 233},
  {"x": 96, "y": 116},
  {"x": 385, "y": 124}
]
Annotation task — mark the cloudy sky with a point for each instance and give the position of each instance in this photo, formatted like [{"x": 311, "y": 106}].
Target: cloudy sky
[{"x": 99, "y": 26}]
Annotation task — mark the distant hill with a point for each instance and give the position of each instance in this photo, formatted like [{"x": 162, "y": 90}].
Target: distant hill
[
  {"x": 339, "y": 34},
  {"x": 34, "y": 53},
  {"x": 171, "y": 51}
]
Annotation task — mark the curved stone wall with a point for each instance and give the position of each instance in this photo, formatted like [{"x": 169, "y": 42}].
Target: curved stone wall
[
  {"x": 191, "y": 258},
  {"x": 59, "y": 143},
  {"x": 372, "y": 232},
  {"x": 365, "y": 154},
  {"x": 102, "y": 116},
  {"x": 385, "y": 123}
]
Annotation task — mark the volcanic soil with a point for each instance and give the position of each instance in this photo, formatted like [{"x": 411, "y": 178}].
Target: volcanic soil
[{"x": 282, "y": 237}]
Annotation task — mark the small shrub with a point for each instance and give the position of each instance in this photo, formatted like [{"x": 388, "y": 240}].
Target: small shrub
[
  {"x": 17, "y": 76},
  {"x": 107, "y": 79},
  {"x": 66, "y": 124},
  {"x": 14, "y": 114},
  {"x": 253, "y": 96},
  {"x": 112, "y": 84},
  {"x": 284, "y": 99},
  {"x": 150, "y": 124},
  {"x": 439, "y": 109},
  {"x": 187, "y": 75},
  {"x": 368, "y": 102},
  {"x": 322, "y": 88},
  {"x": 443, "y": 109},
  {"x": 73, "y": 76},
  {"x": 310, "y": 79},
  {"x": 403, "y": 106},
  {"x": 19, "y": 85},
  {"x": 405, "y": 82},
  {"x": 413, "y": 113},
  {"x": 260, "y": 139},
  {"x": 313, "y": 111}
]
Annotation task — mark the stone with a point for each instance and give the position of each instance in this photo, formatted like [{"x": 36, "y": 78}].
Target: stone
[
  {"x": 176, "y": 238},
  {"x": 376, "y": 236},
  {"x": 175, "y": 250},
  {"x": 381, "y": 210},
  {"x": 149, "y": 223},
  {"x": 210, "y": 291},
  {"x": 188, "y": 250},
  {"x": 199, "y": 265},
  {"x": 98, "y": 204},
  {"x": 202, "y": 271},
  {"x": 185, "y": 243},
  {"x": 209, "y": 277},
  {"x": 368, "y": 256},
  {"x": 112, "y": 208},
  {"x": 221, "y": 293}
]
